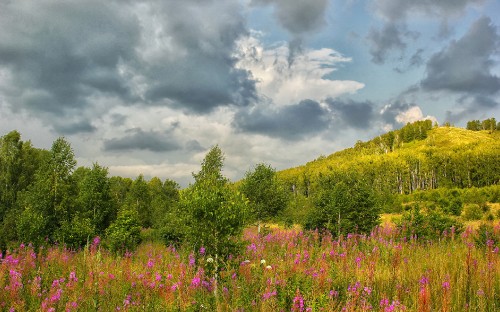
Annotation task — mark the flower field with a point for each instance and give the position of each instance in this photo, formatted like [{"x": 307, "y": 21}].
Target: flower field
[{"x": 285, "y": 270}]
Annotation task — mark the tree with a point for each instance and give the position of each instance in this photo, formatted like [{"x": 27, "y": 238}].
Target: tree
[
  {"x": 124, "y": 234},
  {"x": 94, "y": 198},
  {"x": 345, "y": 204},
  {"x": 266, "y": 194},
  {"x": 214, "y": 212},
  {"x": 51, "y": 196},
  {"x": 140, "y": 198}
]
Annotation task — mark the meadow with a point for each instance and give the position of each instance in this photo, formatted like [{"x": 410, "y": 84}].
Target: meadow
[{"x": 282, "y": 270}]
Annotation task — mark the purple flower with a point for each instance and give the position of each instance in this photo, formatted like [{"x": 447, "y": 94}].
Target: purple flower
[
  {"x": 196, "y": 281},
  {"x": 202, "y": 250}
]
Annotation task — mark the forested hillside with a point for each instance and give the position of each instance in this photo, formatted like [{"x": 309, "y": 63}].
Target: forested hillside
[{"x": 419, "y": 156}]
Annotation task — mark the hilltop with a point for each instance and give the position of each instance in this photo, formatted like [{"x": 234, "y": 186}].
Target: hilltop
[{"x": 419, "y": 156}]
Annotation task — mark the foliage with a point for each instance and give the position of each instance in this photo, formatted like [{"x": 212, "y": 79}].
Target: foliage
[
  {"x": 124, "y": 234},
  {"x": 267, "y": 195},
  {"x": 473, "y": 212},
  {"x": 214, "y": 212},
  {"x": 344, "y": 204},
  {"x": 429, "y": 225}
]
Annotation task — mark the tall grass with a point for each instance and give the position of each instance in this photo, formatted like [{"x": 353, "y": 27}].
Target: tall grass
[{"x": 285, "y": 270}]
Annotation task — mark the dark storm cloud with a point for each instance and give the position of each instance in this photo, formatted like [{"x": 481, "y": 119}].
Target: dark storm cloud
[
  {"x": 465, "y": 65},
  {"x": 60, "y": 53},
  {"x": 298, "y": 17},
  {"x": 305, "y": 118},
  {"x": 137, "y": 139},
  {"x": 470, "y": 107},
  {"x": 353, "y": 114},
  {"x": 383, "y": 41},
  {"x": 289, "y": 122},
  {"x": 198, "y": 72},
  {"x": 194, "y": 146},
  {"x": 69, "y": 128},
  {"x": 397, "y": 10},
  {"x": 394, "y": 35},
  {"x": 60, "y": 56}
]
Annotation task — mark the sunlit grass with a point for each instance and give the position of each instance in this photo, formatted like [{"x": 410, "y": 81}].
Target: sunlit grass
[{"x": 284, "y": 270}]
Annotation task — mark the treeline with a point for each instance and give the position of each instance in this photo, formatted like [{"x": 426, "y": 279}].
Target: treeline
[
  {"x": 45, "y": 198},
  {"x": 430, "y": 157},
  {"x": 489, "y": 124}
]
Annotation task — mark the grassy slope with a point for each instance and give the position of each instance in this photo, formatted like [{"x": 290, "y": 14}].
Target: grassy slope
[{"x": 445, "y": 139}]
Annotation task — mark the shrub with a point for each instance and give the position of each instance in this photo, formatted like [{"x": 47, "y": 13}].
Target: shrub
[
  {"x": 472, "y": 212},
  {"x": 125, "y": 233}
]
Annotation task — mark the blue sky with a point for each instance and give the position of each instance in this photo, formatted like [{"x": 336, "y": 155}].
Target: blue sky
[{"x": 149, "y": 86}]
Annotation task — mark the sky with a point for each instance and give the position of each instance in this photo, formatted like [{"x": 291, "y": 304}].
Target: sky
[{"x": 149, "y": 86}]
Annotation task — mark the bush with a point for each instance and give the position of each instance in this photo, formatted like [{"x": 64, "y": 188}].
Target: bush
[
  {"x": 427, "y": 226},
  {"x": 125, "y": 233},
  {"x": 472, "y": 212},
  {"x": 344, "y": 204}
]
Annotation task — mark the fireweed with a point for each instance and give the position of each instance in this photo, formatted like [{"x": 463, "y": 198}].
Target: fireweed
[{"x": 286, "y": 270}]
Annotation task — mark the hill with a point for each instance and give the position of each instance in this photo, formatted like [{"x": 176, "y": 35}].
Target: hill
[{"x": 419, "y": 156}]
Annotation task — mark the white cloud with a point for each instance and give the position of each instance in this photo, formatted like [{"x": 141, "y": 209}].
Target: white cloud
[
  {"x": 285, "y": 83},
  {"x": 413, "y": 114}
]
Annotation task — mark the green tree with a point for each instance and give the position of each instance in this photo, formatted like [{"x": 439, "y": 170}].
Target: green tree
[
  {"x": 345, "y": 204},
  {"x": 51, "y": 196},
  {"x": 266, "y": 194},
  {"x": 215, "y": 213},
  {"x": 124, "y": 234},
  {"x": 139, "y": 197},
  {"x": 94, "y": 198}
]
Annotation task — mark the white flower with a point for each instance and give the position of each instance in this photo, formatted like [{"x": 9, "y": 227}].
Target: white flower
[
  {"x": 269, "y": 267},
  {"x": 210, "y": 260},
  {"x": 262, "y": 261}
]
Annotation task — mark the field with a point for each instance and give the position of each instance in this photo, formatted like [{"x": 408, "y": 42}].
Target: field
[{"x": 284, "y": 270}]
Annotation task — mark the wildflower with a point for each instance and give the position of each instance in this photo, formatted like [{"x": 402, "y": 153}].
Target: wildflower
[
  {"x": 334, "y": 293},
  {"x": 298, "y": 302},
  {"x": 262, "y": 261},
  {"x": 446, "y": 285},
  {"x": 150, "y": 263},
  {"x": 269, "y": 295},
  {"x": 191, "y": 260},
  {"x": 97, "y": 241},
  {"x": 158, "y": 277},
  {"x": 367, "y": 290},
  {"x": 72, "y": 277},
  {"x": 210, "y": 260},
  {"x": 269, "y": 267},
  {"x": 202, "y": 250},
  {"x": 196, "y": 281}
]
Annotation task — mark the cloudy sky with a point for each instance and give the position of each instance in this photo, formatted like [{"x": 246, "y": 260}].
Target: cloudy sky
[{"x": 149, "y": 86}]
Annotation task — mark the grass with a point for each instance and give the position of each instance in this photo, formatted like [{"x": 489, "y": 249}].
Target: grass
[{"x": 285, "y": 270}]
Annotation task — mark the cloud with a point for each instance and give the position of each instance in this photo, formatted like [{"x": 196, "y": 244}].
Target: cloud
[
  {"x": 65, "y": 57},
  {"x": 353, "y": 114},
  {"x": 191, "y": 65},
  {"x": 288, "y": 122},
  {"x": 398, "y": 10},
  {"x": 390, "y": 37},
  {"x": 307, "y": 78},
  {"x": 465, "y": 65},
  {"x": 298, "y": 17},
  {"x": 399, "y": 113},
  {"x": 138, "y": 139},
  {"x": 62, "y": 53},
  {"x": 472, "y": 107},
  {"x": 395, "y": 35}
]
